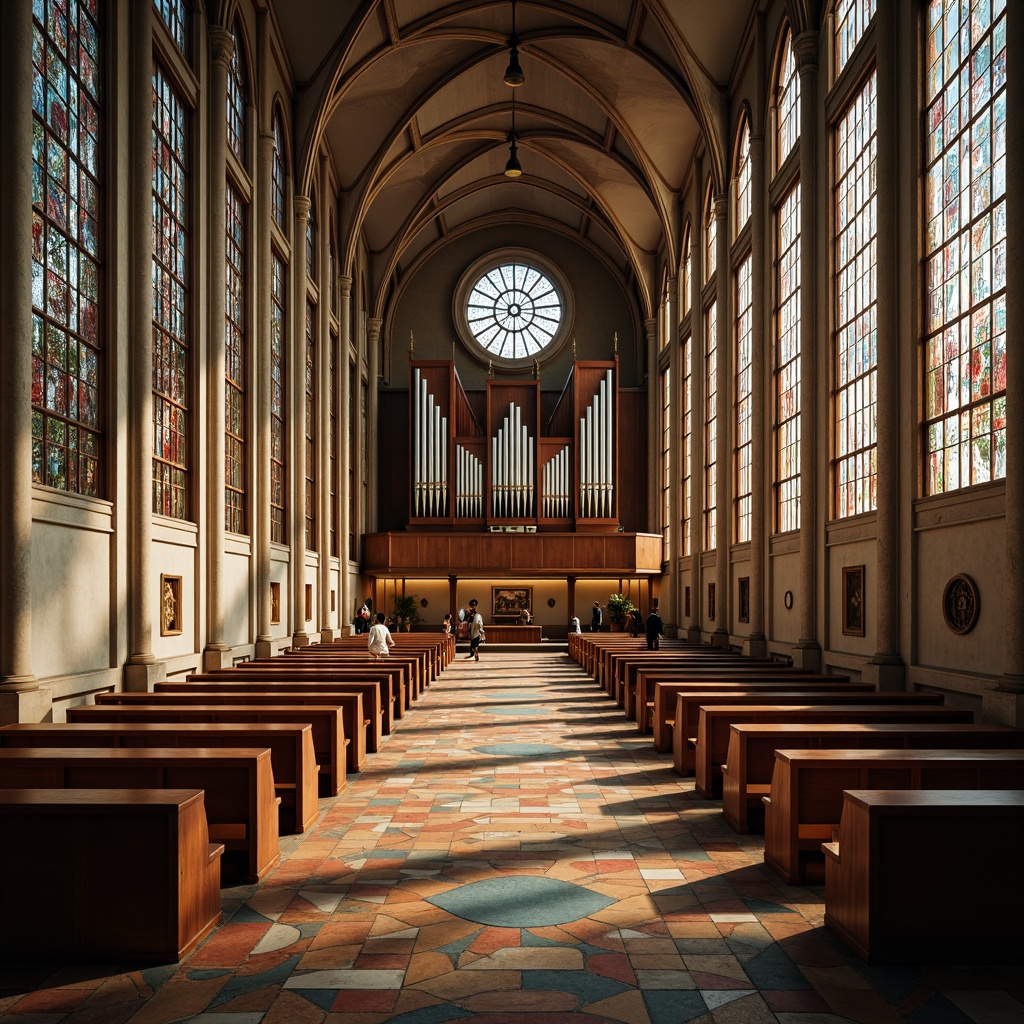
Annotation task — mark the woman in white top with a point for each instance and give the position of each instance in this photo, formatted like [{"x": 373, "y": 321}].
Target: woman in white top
[{"x": 380, "y": 638}]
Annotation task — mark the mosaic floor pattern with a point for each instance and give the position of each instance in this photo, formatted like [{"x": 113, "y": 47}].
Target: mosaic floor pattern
[{"x": 517, "y": 854}]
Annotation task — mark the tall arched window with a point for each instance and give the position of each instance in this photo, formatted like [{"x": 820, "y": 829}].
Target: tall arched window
[
  {"x": 174, "y": 14},
  {"x": 743, "y": 383},
  {"x": 171, "y": 301},
  {"x": 310, "y": 418},
  {"x": 666, "y": 462},
  {"x": 67, "y": 143},
  {"x": 786, "y": 312},
  {"x": 743, "y": 194},
  {"x": 710, "y": 237},
  {"x": 238, "y": 100},
  {"x": 278, "y": 391},
  {"x": 710, "y": 503},
  {"x": 687, "y": 274},
  {"x": 312, "y": 240},
  {"x": 686, "y": 370},
  {"x": 965, "y": 244},
  {"x": 855, "y": 309},
  {"x": 278, "y": 174}
]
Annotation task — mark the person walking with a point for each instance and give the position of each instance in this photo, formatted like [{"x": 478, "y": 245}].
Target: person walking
[
  {"x": 476, "y": 631},
  {"x": 380, "y": 639},
  {"x": 596, "y": 617},
  {"x": 655, "y": 630}
]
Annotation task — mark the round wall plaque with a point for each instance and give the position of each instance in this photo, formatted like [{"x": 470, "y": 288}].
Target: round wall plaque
[
  {"x": 961, "y": 603},
  {"x": 787, "y": 599}
]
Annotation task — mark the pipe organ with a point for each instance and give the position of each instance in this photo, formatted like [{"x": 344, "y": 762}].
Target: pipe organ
[{"x": 512, "y": 458}]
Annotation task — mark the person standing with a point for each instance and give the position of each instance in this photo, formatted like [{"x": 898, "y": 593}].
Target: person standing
[
  {"x": 574, "y": 624},
  {"x": 476, "y": 631},
  {"x": 446, "y": 624},
  {"x": 655, "y": 629},
  {"x": 596, "y": 617},
  {"x": 380, "y": 639}
]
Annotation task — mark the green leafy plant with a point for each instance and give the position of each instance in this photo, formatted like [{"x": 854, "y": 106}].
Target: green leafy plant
[
  {"x": 619, "y": 606},
  {"x": 406, "y": 610}
]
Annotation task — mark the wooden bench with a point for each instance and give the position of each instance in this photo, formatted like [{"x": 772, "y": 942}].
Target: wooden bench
[
  {"x": 686, "y": 725},
  {"x": 241, "y": 808},
  {"x": 662, "y": 708},
  {"x": 101, "y": 874},
  {"x": 712, "y": 744},
  {"x": 328, "y": 733},
  {"x": 892, "y": 891},
  {"x": 378, "y": 699},
  {"x": 398, "y": 677},
  {"x": 805, "y": 801},
  {"x": 292, "y": 757},
  {"x": 354, "y": 723}
]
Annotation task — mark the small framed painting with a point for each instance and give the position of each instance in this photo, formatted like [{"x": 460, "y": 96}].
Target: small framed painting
[{"x": 853, "y": 600}]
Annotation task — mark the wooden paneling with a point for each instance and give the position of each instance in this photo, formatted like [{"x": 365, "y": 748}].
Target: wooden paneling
[
  {"x": 390, "y": 449},
  {"x": 636, "y": 460}
]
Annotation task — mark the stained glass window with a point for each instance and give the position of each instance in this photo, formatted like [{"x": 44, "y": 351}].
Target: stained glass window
[
  {"x": 684, "y": 490},
  {"x": 310, "y": 426},
  {"x": 171, "y": 328},
  {"x": 687, "y": 272},
  {"x": 311, "y": 241},
  {"x": 710, "y": 427},
  {"x": 278, "y": 175},
  {"x": 237, "y": 100},
  {"x": 852, "y": 20},
  {"x": 235, "y": 340},
  {"x": 856, "y": 328},
  {"x": 278, "y": 406},
  {"x": 744, "y": 399},
  {"x": 332, "y": 269},
  {"x": 787, "y": 363},
  {"x": 965, "y": 244},
  {"x": 787, "y": 121},
  {"x": 743, "y": 179},
  {"x": 175, "y": 16},
  {"x": 67, "y": 365},
  {"x": 710, "y": 238},
  {"x": 514, "y": 311},
  {"x": 666, "y": 463}
]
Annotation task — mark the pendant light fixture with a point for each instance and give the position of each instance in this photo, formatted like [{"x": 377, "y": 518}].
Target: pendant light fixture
[
  {"x": 513, "y": 168},
  {"x": 514, "y": 73}
]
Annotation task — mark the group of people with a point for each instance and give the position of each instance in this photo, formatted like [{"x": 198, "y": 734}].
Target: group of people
[{"x": 653, "y": 626}]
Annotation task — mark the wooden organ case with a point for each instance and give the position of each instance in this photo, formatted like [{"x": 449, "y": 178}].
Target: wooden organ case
[{"x": 517, "y": 470}]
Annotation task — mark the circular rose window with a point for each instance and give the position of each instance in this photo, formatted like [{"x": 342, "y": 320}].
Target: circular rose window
[{"x": 512, "y": 308}]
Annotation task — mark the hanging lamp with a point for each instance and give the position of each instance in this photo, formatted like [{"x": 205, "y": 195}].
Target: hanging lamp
[
  {"x": 514, "y": 73},
  {"x": 513, "y": 168}
]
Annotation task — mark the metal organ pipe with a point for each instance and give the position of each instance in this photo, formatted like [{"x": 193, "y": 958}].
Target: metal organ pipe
[
  {"x": 597, "y": 453},
  {"x": 430, "y": 448}
]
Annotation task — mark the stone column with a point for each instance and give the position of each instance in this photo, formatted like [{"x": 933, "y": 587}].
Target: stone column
[
  {"x": 327, "y": 343},
  {"x": 1005, "y": 703},
  {"x": 653, "y": 421},
  {"x": 262, "y": 402},
  {"x": 373, "y": 343},
  {"x": 570, "y": 591},
  {"x": 141, "y": 670},
  {"x": 886, "y": 668},
  {"x": 807, "y": 653},
  {"x": 344, "y": 447},
  {"x": 21, "y": 699},
  {"x": 300, "y": 209},
  {"x": 216, "y": 653},
  {"x": 674, "y": 553},
  {"x": 693, "y": 629},
  {"x": 757, "y": 645},
  {"x": 723, "y": 479}
]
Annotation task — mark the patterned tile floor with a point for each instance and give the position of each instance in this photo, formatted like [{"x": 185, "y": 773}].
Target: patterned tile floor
[{"x": 517, "y": 853}]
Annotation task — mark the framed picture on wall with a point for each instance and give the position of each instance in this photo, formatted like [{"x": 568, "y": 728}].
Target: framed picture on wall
[
  {"x": 853, "y": 600},
  {"x": 170, "y": 605},
  {"x": 744, "y": 615},
  {"x": 511, "y": 601}
]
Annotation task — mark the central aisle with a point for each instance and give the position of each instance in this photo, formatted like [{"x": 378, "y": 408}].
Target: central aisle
[{"x": 518, "y": 853}]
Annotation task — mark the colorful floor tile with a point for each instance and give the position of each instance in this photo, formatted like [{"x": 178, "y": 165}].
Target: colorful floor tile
[{"x": 517, "y": 854}]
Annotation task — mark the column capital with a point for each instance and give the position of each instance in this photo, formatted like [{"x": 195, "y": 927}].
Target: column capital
[
  {"x": 373, "y": 326},
  {"x": 805, "y": 50},
  {"x": 300, "y": 207},
  {"x": 222, "y": 45},
  {"x": 720, "y": 205},
  {"x": 344, "y": 285}
]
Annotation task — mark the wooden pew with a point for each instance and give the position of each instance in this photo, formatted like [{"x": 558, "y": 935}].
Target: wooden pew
[
  {"x": 663, "y": 706},
  {"x": 328, "y": 733},
  {"x": 618, "y": 668},
  {"x": 380, "y": 709},
  {"x": 689, "y": 703},
  {"x": 101, "y": 874},
  {"x": 805, "y": 801},
  {"x": 241, "y": 808},
  {"x": 292, "y": 757},
  {"x": 356, "y": 726},
  {"x": 891, "y": 891},
  {"x": 398, "y": 677},
  {"x": 713, "y": 731}
]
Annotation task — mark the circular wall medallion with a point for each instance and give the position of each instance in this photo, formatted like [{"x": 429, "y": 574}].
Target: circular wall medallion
[
  {"x": 961, "y": 603},
  {"x": 787, "y": 599},
  {"x": 512, "y": 307}
]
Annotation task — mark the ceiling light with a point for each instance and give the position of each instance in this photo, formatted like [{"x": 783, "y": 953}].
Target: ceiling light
[
  {"x": 513, "y": 168},
  {"x": 513, "y": 73}
]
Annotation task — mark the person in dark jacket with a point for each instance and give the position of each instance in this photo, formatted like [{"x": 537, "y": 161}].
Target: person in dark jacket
[
  {"x": 655, "y": 630},
  {"x": 595, "y": 618}
]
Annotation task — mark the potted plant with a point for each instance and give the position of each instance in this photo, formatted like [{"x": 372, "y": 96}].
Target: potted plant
[
  {"x": 406, "y": 611},
  {"x": 619, "y": 606}
]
